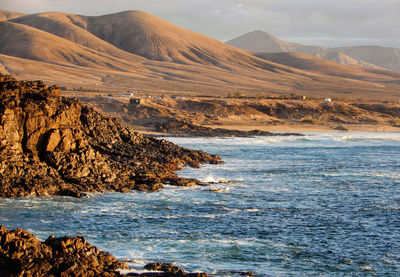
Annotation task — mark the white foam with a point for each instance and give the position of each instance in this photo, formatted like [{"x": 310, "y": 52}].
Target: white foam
[
  {"x": 214, "y": 180},
  {"x": 253, "y": 210}
]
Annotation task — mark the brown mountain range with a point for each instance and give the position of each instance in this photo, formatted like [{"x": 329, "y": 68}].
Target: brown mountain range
[
  {"x": 136, "y": 50},
  {"x": 363, "y": 56}
]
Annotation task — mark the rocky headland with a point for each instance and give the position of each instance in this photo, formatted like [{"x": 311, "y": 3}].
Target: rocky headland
[{"x": 52, "y": 145}]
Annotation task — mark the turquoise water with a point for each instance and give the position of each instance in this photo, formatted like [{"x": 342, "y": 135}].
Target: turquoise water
[{"x": 319, "y": 205}]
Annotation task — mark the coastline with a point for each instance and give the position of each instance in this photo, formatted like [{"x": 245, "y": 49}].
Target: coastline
[
  {"x": 173, "y": 214},
  {"x": 300, "y": 128},
  {"x": 213, "y": 116},
  {"x": 292, "y": 129}
]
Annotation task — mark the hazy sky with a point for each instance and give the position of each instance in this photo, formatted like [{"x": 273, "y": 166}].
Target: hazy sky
[{"x": 317, "y": 22}]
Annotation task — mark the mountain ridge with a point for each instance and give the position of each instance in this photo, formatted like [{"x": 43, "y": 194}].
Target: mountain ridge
[
  {"x": 158, "y": 56},
  {"x": 363, "y": 56},
  {"x": 7, "y": 15}
]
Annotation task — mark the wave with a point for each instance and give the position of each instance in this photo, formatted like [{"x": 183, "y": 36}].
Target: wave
[
  {"x": 211, "y": 179},
  {"x": 369, "y": 139},
  {"x": 309, "y": 137}
]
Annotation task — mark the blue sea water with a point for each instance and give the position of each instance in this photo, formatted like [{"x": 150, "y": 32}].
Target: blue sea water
[{"x": 326, "y": 204}]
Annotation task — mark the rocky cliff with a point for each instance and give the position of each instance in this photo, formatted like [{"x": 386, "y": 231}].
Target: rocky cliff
[{"x": 52, "y": 145}]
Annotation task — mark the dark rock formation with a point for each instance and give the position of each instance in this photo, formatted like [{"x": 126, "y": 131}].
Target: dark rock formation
[
  {"x": 185, "y": 128},
  {"x": 166, "y": 269},
  {"x": 21, "y": 254},
  {"x": 54, "y": 145}
]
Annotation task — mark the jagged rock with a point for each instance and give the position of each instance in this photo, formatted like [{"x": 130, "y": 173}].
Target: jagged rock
[
  {"x": 55, "y": 145},
  {"x": 165, "y": 267},
  {"x": 166, "y": 270},
  {"x": 21, "y": 254}
]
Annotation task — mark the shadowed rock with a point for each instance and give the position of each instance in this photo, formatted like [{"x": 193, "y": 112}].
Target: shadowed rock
[{"x": 21, "y": 254}]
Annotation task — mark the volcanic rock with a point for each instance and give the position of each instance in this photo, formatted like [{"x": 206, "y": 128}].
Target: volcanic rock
[
  {"x": 185, "y": 128},
  {"x": 52, "y": 145},
  {"x": 21, "y": 254},
  {"x": 166, "y": 270}
]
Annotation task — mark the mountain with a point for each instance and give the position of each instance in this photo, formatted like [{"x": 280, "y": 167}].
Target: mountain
[
  {"x": 6, "y": 15},
  {"x": 136, "y": 50},
  {"x": 363, "y": 56},
  {"x": 260, "y": 41},
  {"x": 138, "y": 33},
  {"x": 318, "y": 65},
  {"x": 69, "y": 27},
  {"x": 387, "y": 57},
  {"x": 149, "y": 36},
  {"x": 30, "y": 43}
]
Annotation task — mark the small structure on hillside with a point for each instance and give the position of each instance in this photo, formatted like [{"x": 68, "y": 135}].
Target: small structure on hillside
[
  {"x": 135, "y": 101},
  {"x": 177, "y": 97},
  {"x": 327, "y": 100},
  {"x": 129, "y": 95}
]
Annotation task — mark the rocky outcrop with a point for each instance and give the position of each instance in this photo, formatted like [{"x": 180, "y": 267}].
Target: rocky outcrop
[
  {"x": 185, "y": 128},
  {"x": 22, "y": 254},
  {"x": 166, "y": 269},
  {"x": 54, "y": 145}
]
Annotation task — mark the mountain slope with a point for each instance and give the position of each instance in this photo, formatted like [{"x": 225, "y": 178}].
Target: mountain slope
[
  {"x": 72, "y": 28},
  {"x": 135, "y": 50},
  {"x": 6, "y": 15},
  {"x": 322, "y": 66},
  {"x": 146, "y": 35},
  {"x": 363, "y": 56},
  {"x": 387, "y": 57},
  {"x": 260, "y": 41},
  {"x": 31, "y": 43}
]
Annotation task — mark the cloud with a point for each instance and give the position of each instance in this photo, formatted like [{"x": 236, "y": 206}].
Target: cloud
[{"x": 336, "y": 21}]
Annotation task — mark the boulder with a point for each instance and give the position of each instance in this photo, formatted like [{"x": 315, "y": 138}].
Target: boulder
[{"x": 21, "y": 254}]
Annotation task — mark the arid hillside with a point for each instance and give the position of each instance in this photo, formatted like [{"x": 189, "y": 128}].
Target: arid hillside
[
  {"x": 240, "y": 116},
  {"x": 136, "y": 51},
  {"x": 327, "y": 67},
  {"x": 6, "y": 15},
  {"x": 363, "y": 56}
]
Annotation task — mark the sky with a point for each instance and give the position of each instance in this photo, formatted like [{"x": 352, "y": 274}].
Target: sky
[{"x": 313, "y": 22}]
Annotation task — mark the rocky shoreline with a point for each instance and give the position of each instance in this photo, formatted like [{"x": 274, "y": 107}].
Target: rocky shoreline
[
  {"x": 22, "y": 254},
  {"x": 183, "y": 128},
  {"x": 52, "y": 145}
]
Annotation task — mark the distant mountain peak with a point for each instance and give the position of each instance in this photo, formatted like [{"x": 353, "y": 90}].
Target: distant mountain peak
[
  {"x": 259, "y": 41},
  {"x": 363, "y": 56},
  {"x": 134, "y": 49}
]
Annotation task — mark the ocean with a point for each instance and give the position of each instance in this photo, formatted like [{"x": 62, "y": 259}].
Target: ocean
[{"x": 325, "y": 204}]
